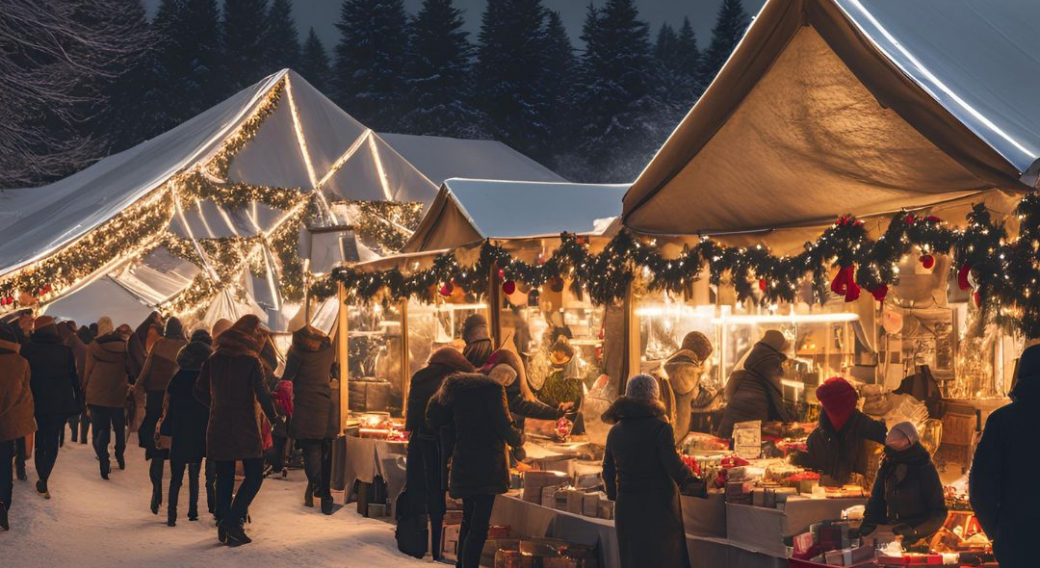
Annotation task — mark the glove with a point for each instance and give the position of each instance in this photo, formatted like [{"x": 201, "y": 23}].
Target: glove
[
  {"x": 865, "y": 529},
  {"x": 908, "y": 533},
  {"x": 800, "y": 459},
  {"x": 278, "y": 427},
  {"x": 520, "y": 454}
]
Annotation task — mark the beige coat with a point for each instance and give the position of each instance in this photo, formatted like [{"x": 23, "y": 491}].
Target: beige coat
[
  {"x": 105, "y": 377},
  {"x": 16, "y": 399}
]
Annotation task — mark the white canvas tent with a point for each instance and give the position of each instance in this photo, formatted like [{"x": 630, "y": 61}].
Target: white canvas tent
[
  {"x": 467, "y": 211},
  {"x": 852, "y": 106},
  {"x": 154, "y": 226}
]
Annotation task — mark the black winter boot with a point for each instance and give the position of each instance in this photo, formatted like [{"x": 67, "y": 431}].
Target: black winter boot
[
  {"x": 326, "y": 504},
  {"x": 171, "y": 517},
  {"x": 41, "y": 488},
  {"x": 4, "y": 524},
  {"x": 156, "y": 500},
  {"x": 20, "y": 467},
  {"x": 236, "y": 534},
  {"x": 308, "y": 495}
]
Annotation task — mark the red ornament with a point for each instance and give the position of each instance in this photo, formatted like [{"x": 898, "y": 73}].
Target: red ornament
[
  {"x": 762, "y": 285},
  {"x": 844, "y": 283},
  {"x": 46, "y": 289},
  {"x": 447, "y": 289},
  {"x": 501, "y": 274},
  {"x": 880, "y": 293},
  {"x": 978, "y": 299},
  {"x": 509, "y": 287},
  {"x": 933, "y": 219},
  {"x": 928, "y": 261},
  {"x": 962, "y": 276}
]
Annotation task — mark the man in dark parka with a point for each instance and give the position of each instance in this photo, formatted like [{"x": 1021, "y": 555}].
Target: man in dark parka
[
  {"x": 1003, "y": 474},
  {"x": 643, "y": 474},
  {"x": 424, "y": 476},
  {"x": 755, "y": 392}
]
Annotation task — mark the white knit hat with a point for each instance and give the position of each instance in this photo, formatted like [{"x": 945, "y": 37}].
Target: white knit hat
[{"x": 642, "y": 387}]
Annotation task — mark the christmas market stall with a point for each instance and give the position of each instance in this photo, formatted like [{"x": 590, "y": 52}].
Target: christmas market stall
[{"x": 865, "y": 205}]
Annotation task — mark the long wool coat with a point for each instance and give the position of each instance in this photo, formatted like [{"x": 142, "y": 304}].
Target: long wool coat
[
  {"x": 643, "y": 473},
  {"x": 105, "y": 377},
  {"x": 231, "y": 383},
  {"x": 54, "y": 380}
]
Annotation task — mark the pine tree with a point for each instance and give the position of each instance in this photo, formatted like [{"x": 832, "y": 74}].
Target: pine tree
[
  {"x": 616, "y": 107},
  {"x": 438, "y": 74},
  {"x": 314, "y": 63},
  {"x": 678, "y": 65},
  {"x": 730, "y": 25},
  {"x": 244, "y": 32},
  {"x": 509, "y": 71},
  {"x": 558, "y": 81},
  {"x": 666, "y": 47},
  {"x": 690, "y": 59},
  {"x": 282, "y": 44},
  {"x": 189, "y": 63},
  {"x": 368, "y": 77}
]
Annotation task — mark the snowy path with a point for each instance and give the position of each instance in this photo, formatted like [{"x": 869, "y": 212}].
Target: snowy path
[{"x": 92, "y": 523}]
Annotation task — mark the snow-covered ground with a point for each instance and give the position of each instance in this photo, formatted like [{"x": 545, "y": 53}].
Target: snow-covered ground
[{"x": 92, "y": 523}]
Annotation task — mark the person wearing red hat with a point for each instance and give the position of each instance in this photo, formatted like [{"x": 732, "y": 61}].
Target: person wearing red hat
[{"x": 838, "y": 447}]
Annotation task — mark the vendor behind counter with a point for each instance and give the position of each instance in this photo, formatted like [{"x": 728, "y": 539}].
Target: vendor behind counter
[
  {"x": 841, "y": 445},
  {"x": 754, "y": 391}
]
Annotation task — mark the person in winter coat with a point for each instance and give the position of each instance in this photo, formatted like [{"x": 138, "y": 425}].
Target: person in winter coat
[
  {"x": 105, "y": 381},
  {"x": 840, "y": 446},
  {"x": 159, "y": 367},
  {"x": 185, "y": 420},
  {"x": 643, "y": 474},
  {"x": 78, "y": 423},
  {"x": 16, "y": 413},
  {"x": 907, "y": 494},
  {"x": 754, "y": 391},
  {"x": 478, "y": 340},
  {"x": 231, "y": 384},
  {"x": 475, "y": 406},
  {"x": 308, "y": 368},
  {"x": 1002, "y": 479},
  {"x": 684, "y": 370},
  {"x": 522, "y": 402},
  {"x": 56, "y": 393},
  {"x": 424, "y": 479},
  {"x": 139, "y": 344}
]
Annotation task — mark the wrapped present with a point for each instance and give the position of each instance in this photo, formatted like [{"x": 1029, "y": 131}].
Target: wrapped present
[
  {"x": 508, "y": 559},
  {"x": 549, "y": 496},
  {"x": 588, "y": 476},
  {"x": 534, "y": 481},
  {"x": 575, "y": 501},
  {"x": 605, "y": 509},
  {"x": 499, "y": 532},
  {"x": 590, "y": 504},
  {"x": 803, "y": 546},
  {"x": 489, "y": 555}
]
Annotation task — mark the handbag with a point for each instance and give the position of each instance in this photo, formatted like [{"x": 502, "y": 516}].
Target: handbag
[{"x": 412, "y": 530}]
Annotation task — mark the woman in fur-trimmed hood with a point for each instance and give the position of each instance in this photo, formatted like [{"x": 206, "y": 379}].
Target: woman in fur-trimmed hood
[
  {"x": 643, "y": 473},
  {"x": 522, "y": 402},
  {"x": 475, "y": 407},
  {"x": 231, "y": 383}
]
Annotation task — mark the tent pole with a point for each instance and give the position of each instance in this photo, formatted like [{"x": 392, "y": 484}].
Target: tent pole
[
  {"x": 342, "y": 348},
  {"x": 406, "y": 379},
  {"x": 630, "y": 362},
  {"x": 494, "y": 301}
]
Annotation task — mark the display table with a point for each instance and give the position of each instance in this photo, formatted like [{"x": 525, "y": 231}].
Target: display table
[
  {"x": 705, "y": 517},
  {"x": 530, "y": 520},
  {"x": 711, "y": 552},
  {"x": 364, "y": 459},
  {"x": 763, "y": 530}
]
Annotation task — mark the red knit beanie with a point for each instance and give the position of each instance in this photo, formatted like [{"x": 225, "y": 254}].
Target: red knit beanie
[{"x": 839, "y": 399}]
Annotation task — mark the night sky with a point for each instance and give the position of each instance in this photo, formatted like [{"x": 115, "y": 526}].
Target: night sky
[{"x": 323, "y": 14}]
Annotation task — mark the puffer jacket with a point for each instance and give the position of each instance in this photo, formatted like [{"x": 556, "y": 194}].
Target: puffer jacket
[
  {"x": 755, "y": 392},
  {"x": 839, "y": 454},
  {"x": 105, "y": 379},
  {"x": 160, "y": 365},
  {"x": 475, "y": 406},
  {"x": 908, "y": 492},
  {"x": 17, "y": 418},
  {"x": 308, "y": 367},
  {"x": 427, "y": 381},
  {"x": 520, "y": 406},
  {"x": 54, "y": 380}
]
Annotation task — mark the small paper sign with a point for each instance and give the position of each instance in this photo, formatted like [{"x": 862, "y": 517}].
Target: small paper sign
[{"x": 747, "y": 439}]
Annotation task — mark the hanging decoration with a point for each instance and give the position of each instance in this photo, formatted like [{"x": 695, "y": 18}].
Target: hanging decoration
[
  {"x": 221, "y": 161},
  {"x": 1003, "y": 271}
]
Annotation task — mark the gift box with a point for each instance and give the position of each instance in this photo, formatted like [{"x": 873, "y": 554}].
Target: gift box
[
  {"x": 508, "y": 559},
  {"x": 549, "y": 496},
  {"x": 489, "y": 555},
  {"x": 590, "y": 504},
  {"x": 575, "y": 501},
  {"x": 534, "y": 481},
  {"x": 499, "y": 532}
]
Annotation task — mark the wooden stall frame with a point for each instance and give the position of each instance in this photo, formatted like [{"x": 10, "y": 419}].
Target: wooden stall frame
[{"x": 342, "y": 354}]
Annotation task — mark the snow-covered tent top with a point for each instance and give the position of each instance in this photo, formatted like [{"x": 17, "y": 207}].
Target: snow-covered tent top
[
  {"x": 440, "y": 158},
  {"x": 852, "y": 106},
  {"x": 471, "y": 210},
  {"x": 217, "y": 217}
]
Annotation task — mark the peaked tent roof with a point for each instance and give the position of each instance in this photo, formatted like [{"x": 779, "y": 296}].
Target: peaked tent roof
[
  {"x": 471, "y": 210},
  {"x": 440, "y": 158},
  {"x": 863, "y": 106}
]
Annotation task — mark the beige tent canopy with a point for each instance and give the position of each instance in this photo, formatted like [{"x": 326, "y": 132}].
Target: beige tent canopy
[
  {"x": 852, "y": 106},
  {"x": 467, "y": 211}
]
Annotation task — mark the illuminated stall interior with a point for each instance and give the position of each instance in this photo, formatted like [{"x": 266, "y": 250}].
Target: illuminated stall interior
[{"x": 523, "y": 219}]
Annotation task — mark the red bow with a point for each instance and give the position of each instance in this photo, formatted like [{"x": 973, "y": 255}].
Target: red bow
[
  {"x": 962, "y": 276},
  {"x": 880, "y": 293},
  {"x": 844, "y": 283}
]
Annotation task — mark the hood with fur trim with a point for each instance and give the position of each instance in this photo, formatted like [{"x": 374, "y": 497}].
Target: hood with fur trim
[
  {"x": 463, "y": 382},
  {"x": 109, "y": 348},
  {"x": 237, "y": 342},
  {"x": 452, "y": 358},
  {"x": 626, "y": 407},
  {"x": 310, "y": 339},
  {"x": 192, "y": 355}
]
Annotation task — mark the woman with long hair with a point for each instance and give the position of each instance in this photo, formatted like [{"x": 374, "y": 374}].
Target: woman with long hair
[{"x": 231, "y": 383}]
